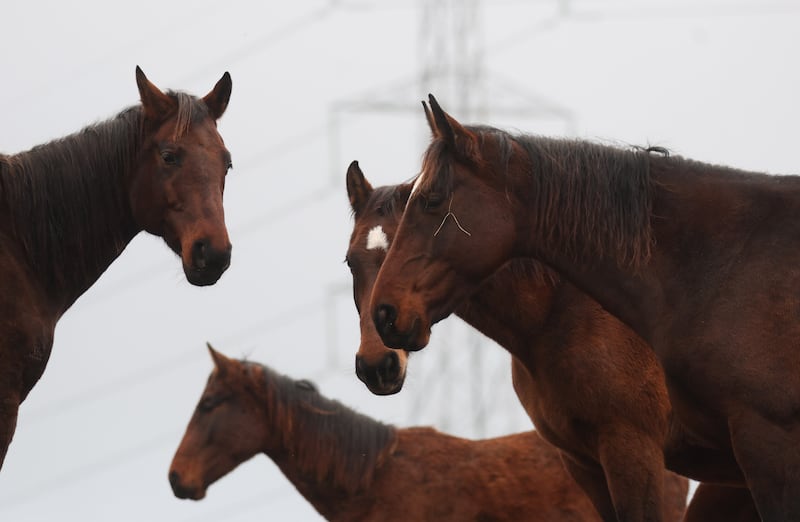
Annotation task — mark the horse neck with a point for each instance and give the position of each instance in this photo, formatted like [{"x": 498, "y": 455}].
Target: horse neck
[
  {"x": 512, "y": 306},
  {"x": 328, "y": 451},
  {"x": 584, "y": 210},
  {"x": 65, "y": 205},
  {"x": 697, "y": 214}
]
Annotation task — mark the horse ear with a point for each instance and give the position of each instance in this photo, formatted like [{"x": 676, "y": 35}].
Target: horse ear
[
  {"x": 220, "y": 361},
  {"x": 358, "y": 188},
  {"x": 217, "y": 100},
  {"x": 429, "y": 117},
  {"x": 457, "y": 137},
  {"x": 155, "y": 103}
]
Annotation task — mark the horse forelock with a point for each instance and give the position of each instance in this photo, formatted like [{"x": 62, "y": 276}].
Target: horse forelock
[
  {"x": 190, "y": 110},
  {"x": 328, "y": 440}
]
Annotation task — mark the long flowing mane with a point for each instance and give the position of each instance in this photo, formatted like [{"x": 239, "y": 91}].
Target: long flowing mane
[
  {"x": 326, "y": 439},
  {"x": 590, "y": 200},
  {"x": 65, "y": 200}
]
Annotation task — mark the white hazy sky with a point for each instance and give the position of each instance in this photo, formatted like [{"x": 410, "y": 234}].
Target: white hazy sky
[{"x": 713, "y": 80}]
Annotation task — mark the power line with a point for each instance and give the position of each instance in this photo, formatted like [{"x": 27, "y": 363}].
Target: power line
[
  {"x": 247, "y": 50},
  {"x": 170, "y": 363}
]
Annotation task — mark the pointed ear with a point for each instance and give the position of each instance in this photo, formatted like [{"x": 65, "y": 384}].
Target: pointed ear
[
  {"x": 429, "y": 117},
  {"x": 221, "y": 362},
  {"x": 457, "y": 137},
  {"x": 358, "y": 188},
  {"x": 156, "y": 104},
  {"x": 217, "y": 100}
]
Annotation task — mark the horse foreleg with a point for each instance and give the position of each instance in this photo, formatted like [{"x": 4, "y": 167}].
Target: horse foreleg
[
  {"x": 714, "y": 503},
  {"x": 769, "y": 455},
  {"x": 634, "y": 469},
  {"x": 592, "y": 481}
]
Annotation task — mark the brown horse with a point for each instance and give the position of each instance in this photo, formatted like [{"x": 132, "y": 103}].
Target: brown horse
[
  {"x": 69, "y": 207},
  {"x": 351, "y": 467},
  {"x": 589, "y": 384},
  {"x": 699, "y": 260}
]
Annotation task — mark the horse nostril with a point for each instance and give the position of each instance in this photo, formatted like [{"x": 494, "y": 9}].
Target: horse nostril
[
  {"x": 199, "y": 249},
  {"x": 390, "y": 366},
  {"x": 361, "y": 367},
  {"x": 385, "y": 316},
  {"x": 174, "y": 478}
]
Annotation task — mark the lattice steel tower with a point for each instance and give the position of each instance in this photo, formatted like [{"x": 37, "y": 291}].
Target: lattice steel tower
[{"x": 462, "y": 381}]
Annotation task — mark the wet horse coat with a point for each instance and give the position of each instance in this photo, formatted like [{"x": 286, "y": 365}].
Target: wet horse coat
[
  {"x": 69, "y": 207},
  {"x": 699, "y": 260},
  {"x": 353, "y": 468}
]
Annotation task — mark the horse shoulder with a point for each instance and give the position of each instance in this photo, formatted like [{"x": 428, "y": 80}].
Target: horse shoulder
[{"x": 27, "y": 324}]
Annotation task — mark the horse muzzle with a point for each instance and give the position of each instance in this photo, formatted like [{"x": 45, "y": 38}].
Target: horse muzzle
[
  {"x": 384, "y": 378},
  {"x": 206, "y": 264},
  {"x": 183, "y": 491},
  {"x": 412, "y": 339}
]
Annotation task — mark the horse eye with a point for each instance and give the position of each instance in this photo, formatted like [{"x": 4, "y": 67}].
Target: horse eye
[
  {"x": 208, "y": 403},
  {"x": 349, "y": 264},
  {"x": 433, "y": 201},
  {"x": 169, "y": 157},
  {"x": 230, "y": 165}
]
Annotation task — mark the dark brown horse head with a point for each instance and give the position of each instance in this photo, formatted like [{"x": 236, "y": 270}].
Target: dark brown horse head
[
  {"x": 376, "y": 215},
  {"x": 176, "y": 191},
  {"x": 452, "y": 235},
  {"x": 224, "y": 431}
]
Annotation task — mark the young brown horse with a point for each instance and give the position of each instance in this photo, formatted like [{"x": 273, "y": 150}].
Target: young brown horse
[
  {"x": 351, "y": 467},
  {"x": 68, "y": 208},
  {"x": 701, "y": 261},
  {"x": 589, "y": 384}
]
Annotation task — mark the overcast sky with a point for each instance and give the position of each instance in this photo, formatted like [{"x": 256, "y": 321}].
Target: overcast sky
[{"x": 716, "y": 81}]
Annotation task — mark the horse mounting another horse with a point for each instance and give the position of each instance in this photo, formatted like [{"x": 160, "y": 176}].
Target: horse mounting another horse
[
  {"x": 701, "y": 261},
  {"x": 590, "y": 385},
  {"x": 69, "y": 207},
  {"x": 351, "y": 467}
]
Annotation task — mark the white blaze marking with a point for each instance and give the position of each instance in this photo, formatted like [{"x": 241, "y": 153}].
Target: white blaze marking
[{"x": 377, "y": 239}]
